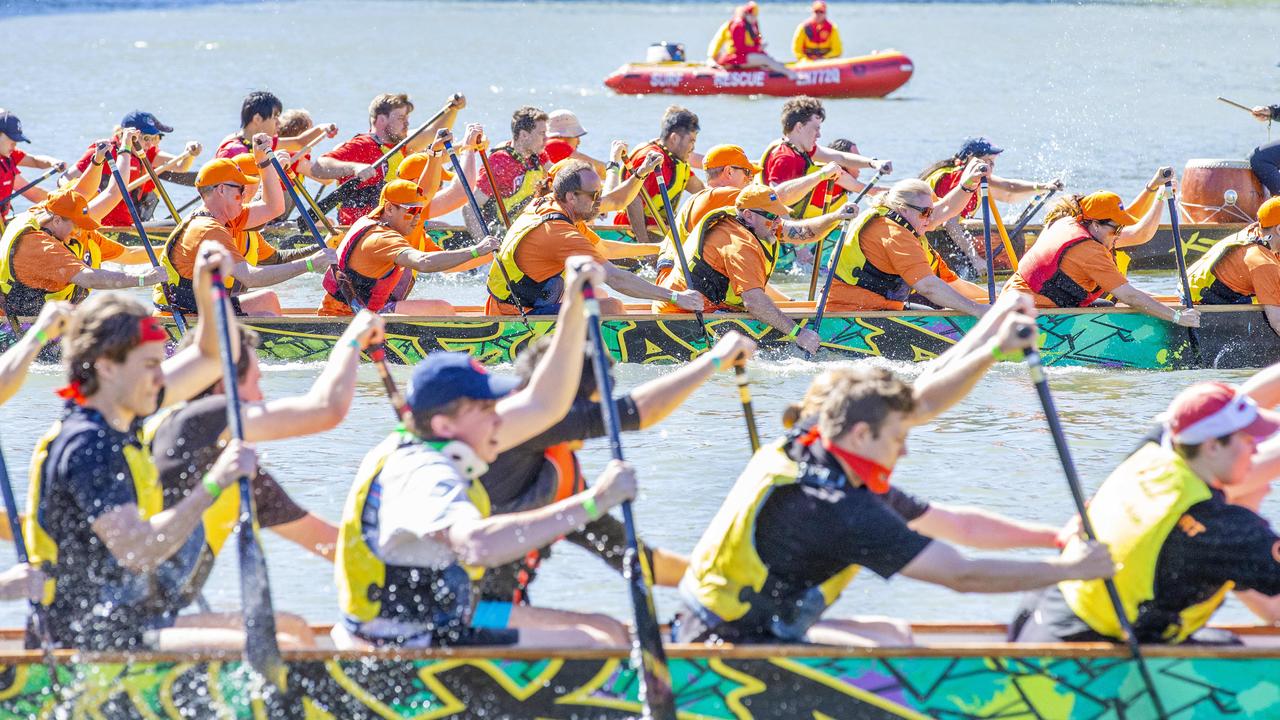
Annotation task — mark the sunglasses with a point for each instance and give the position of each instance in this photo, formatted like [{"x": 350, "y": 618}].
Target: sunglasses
[
  {"x": 925, "y": 211},
  {"x": 154, "y": 138},
  {"x": 766, "y": 215},
  {"x": 411, "y": 210},
  {"x": 235, "y": 187},
  {"x": 595, "y": 196},
  {"x": 1109, "y": 223}
]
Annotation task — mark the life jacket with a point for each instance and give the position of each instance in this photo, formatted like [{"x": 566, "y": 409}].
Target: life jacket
[
  {"x": 738, "y": 50},
  {"x": 566, "y": 482},
  {"x": 707, "y": 280},
  {"x": 184, "y": 295},
  {"x": 8, "y": 176},
  {"x": 727, "y": 582},
  {"x": 1133, "y": 512},
  {"x": 439, "y": 601},
  {"x": 811, "y": 205},
  {"x": 22, "y": 299},
  {"x": 685, "y": 222},
  {"x": 679, "y": 171},
  {"x": 373, "y": 293},
  {"x": 818, "y": 39},
  {"x": 1205, "y": 286},
  {"x": 853, "y": 267},
  {"x": 530, "y": 183},
  {"x": 1041, "y": 266},
  {"x": 945, "y": 179},
  {"x": 535, "y": 297}
]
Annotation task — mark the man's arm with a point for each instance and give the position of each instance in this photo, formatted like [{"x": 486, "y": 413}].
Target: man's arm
[
  {"x": 943, "y": 295},
  {"x": 16, "y": 361},
  {"x": 311, "y": 533},
  {"x": 636, "y": 218},
  {"x": 637, "y": 287},
  {"x": 616, "y": 249},
  {"x": 792, "y": 191},
  {"x": 430, "y": 262},
  {"x": 941, "y": 564},
  {"x": 424, "y": 138},
  {"x": 799, "y": 232},
  {"x": 99, "y": 279},
  {"x": 850, "y": 161},
  {"x": 272, "y": 203},
  {"x": 1010, "y": 190},
  {"x": 761, "y": 307},
  {"x": 981, "y": 529},
  {"x": 1139, "y": 300}
]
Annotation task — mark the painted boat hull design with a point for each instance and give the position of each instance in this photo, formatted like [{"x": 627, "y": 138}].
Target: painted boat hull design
[
  {"x": 1111, "y": 338},
  {"x": 874, "y": 75}
]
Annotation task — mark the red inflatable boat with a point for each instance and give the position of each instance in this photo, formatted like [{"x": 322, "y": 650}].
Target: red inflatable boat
[{"x": 874, "y": 75}]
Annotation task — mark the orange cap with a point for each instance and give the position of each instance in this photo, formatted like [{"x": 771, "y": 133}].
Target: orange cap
[
  {"x": 222, "y": 170},
  {"x": 761, "y": 197},
  {"x": 1269, "y": 213},
  {"x": 405, "y": 193},
  {"x": 251, "y": 171},
  {"x": 411, "y": 168},
  {"x": 1106, "y": 206},
  {"x": 728, "y": 156},
  {"x": 69, "y": 204}
]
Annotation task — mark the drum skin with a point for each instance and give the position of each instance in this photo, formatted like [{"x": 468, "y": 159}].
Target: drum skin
[{"x": 1208, "y": 186}]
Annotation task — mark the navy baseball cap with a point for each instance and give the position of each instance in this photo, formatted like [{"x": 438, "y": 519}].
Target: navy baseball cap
[
  {"x": 443, "y": 377},
  {"x": 145, "y": 122},
  {"x": 975, "y": 146},
  {"x": 10, "y": 125}
]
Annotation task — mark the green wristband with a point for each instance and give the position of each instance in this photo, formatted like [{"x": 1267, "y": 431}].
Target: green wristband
[
  {"x": 589, "y": 505},
  {"x": 1000, "y": 355},
  {"x": 41, "y": 337},
  {"x": 475, "y": 253},
  {"x": 211, "y": 486},
  {"x": 142, "y": 281},
  {"x": 674, "y": 297},
  {"x": 310, "y": 267},
  {"x": 795, "y": 330}
]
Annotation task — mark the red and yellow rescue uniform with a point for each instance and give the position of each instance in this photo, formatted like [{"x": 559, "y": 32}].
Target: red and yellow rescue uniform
[
  {"x": 1238, "y": 270},
  {"x": 1066, "y": 267},
  {"x": 726, "y": 260},
  {"x": 675, "y": 173},
  {"x": 816, "y": 40},
  {"x": 882, "y": 259},
  {"x": 744, "y": 40}
]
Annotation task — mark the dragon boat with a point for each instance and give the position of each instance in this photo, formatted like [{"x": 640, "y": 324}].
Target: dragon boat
[{"x": 956, "y": 671}]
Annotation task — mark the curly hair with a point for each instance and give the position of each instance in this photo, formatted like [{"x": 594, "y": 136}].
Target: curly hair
[
  {"x": 849, "y": 396},
  {"x": 800, "y": 110},
  {"x": 106, "y": 325},
  {"x": 1068, "y": 206},
  {"x": 526, "y": 119}
]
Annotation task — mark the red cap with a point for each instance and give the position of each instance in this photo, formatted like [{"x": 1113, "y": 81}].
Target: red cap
[{"x": 1210, "y": 410}]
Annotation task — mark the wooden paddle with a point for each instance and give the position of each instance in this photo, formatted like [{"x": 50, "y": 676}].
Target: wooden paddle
[
  {"x": 984, "y": 199},
  {"x": 43, "y": 176},
  {"x": 835, "y": 257},
  {"x": 172, "y": 163},
  {"x": 493, "y": 185},
  {"x": 136, "y": 151},
  {"x": 1077, "y": 495},
  {"x": 817, "y": 247},
  {"x": 165, "y": 287},
  {"x": 646, "y": 646}
]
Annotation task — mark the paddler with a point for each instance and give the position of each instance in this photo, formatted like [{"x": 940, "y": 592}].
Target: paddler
[
  {"x": 376, "y": 252},
  {"x": 1244, "y": 268},
  {"x": 11, "y": 158},
  {"x": 677, "y": 136},
  {"x": 261, "y": 113},
  {"x": 545, "y": 468},
  {"x": 95, "y": 518},
  {"x": 355, "y": 158},
  {"x": 1072, "y": 263},
  {"x": 1265, "y": 159},
  {"x": 817, "y": 38},
  {"x": 297, "y": 122},
  {"x": 813, "y": 508},
  {"x": 564, "y": 140},
  {"x": 732, "y": 253},
  {"x": 946, "y": 175},
  {"x": 417, "y": 530},
  {"x": 519, "y": 167},
  {"x": 887, "y": 257},
  {"x": 798, "y": 154},
  {"x": 738, "y": 44},
  {"x": 536, "y": 247},
  {"x": 226, "y": 214},
  {"x": 1179, "y": 545}
]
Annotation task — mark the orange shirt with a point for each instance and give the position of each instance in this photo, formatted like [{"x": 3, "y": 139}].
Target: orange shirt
[
  {"x": 708, "y": 200},
  {"x": 43, "y": 262},
  {"x": 373, "y": 257},
  {"x": 109, "y": 249},
  {"x": 733, "y": 251},
  {"x": 893, "y": 249},
  {"x": 1251, "y": 270},
  {"x": 205, "y": 227},
  {"x": 1088, "y": 263},
  {"x": 542, "y": 253}
]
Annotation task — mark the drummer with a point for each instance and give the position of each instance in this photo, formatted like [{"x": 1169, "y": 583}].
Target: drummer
[
  {"x": 1265, "y": 159},
  {"x": 1243, "y": 268}
]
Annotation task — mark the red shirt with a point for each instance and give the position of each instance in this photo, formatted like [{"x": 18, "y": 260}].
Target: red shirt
[
  {"x": 557, "y": 150},
  {"x": 119, "y": 215},
  {"x": 650, "y": 186},
  {"x": 8, "y": 172},
  {"x": 507, "y": 172},
  {"x": 366, "y": 150},
  {"x": 787, "y": 163},
  {"x": 745, "y": 38},
  {"x": 947, "y": 183}
]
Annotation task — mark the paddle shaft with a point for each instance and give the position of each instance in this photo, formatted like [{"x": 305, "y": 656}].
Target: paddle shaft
[
  {"x": 1233, "y": 103},
  {"x": 178, "y": 319},
  {"x": 43, "y": 176},
  {"x": 984, "y": 192},
  {"x": 1030, "y": 213},
  {"x": 493, "y": 185},
  {"x": 646, "y": 646},
  {"x": 311, "y": 203},
  {"x": 817, "y": 247},
  {"x": 137, "y": 182},
  {"x": 835, "y": 255},
  {"x": 1077, "y": 496},
  {"x": 1176, "y": 225},
  {"x": 155, "y": 180},
  {"x": 676, "y": 241}
]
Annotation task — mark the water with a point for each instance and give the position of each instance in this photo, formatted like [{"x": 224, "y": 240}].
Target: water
[{"x": 1103, "y": 94}]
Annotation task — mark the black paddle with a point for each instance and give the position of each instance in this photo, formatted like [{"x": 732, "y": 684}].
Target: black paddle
[
  {"x": 984, "y": 198},
  {"x": 44, "y": 176},
  {"x": 1077, "y": 495},
  {"x": 835, "y": 257},
  {"x": 740, "y": 373},
  {"x": 166, "y": 288},
  {"x": 646, "y": 644},
  {"x": 260, "y": 648},
  {"x": 1176, "y": 225}
]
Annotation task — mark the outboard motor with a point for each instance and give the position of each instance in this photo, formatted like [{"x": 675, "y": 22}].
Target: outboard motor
[{"x": 661, "y": 52}]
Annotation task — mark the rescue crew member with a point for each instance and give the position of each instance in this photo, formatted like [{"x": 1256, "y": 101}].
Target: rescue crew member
[
  {"x": 224, "y": 216},
  {"x": 38, "y": 262},
  {"x": 536, "y": 247},
  {"x": 798, "y": 154},
  {"x": 1265, "y": 159},
  {"x": 886, "y": 257},
  {"x": 519, "y": 167},
  {"x": 11, "y": 158},
  {"x": 1243, "y": 268},
  {"x": 355, "y": 158},
  {"x": 545, "y": 468},
  {"x": 817, "y": 38},
  {"x": 564, "y": 140},
  {"x": 1072, "y": 263},
  {"x": 813, "y": 508},
  {"x": 376, "y": 253},
  {"x": 677, "y": 136},
  {"x": 417, "y": 530},
  {"x": 732, "y": 253},
  {"x": 945, "y": 176},
  {"x": 1179, "y": 545},
  {"x": 738, "y": 44},
  {"x": 95, "y": 518}
]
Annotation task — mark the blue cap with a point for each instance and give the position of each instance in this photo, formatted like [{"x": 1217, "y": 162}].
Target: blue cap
[
  {"x": 10, "y": 125},
  {"x": 145, "y": 122},
  {"x": 975, "y": 146},
  {"x": 443, "y": 377}
]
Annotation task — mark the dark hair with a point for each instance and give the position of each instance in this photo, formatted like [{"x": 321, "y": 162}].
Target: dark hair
[
  {"x": 387, "y": 102},
  {"x": 800, "y": 110},
  {"x": 866, "y": 395},
  {"x": 528, "y": 359},
  {"x": 1191, "y": 452},
  {"x": 569, "y": 178},
  {"x": 103, "y": 326},
  {"x": 526, "y": 119},
  {"x": 678, "y": 119},
  {"x": 260, "y": 103},
  {"x": 842, "y": 144}
]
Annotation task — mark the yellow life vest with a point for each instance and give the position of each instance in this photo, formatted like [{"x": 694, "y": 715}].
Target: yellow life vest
[
  {"x": 1205, "y": 285},
  {"x": 369, "y": 588},
  {"x": 23, "y": 300},
  {"x": 707, "y": 280},
  {"x": 530, "y": 185},
  {"x": 1133, "y": 512},
  {"x": 853, "y": 268},
  {"x": 725, "y": 571},
  {"x": 807, "y": 206},
  {"x": 534, "y": 296},
  {"x": 184, "y": 289},
  {"x": 679, "y": 180}
]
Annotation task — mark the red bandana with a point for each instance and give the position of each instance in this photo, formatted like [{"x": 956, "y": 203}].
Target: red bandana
[
  {"x": 72, "y": 391},
  {"x": 149, "y": 330},
  {"x": 872, "y": 474}
]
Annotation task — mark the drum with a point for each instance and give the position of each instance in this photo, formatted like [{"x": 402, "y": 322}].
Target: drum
[{"x": 1220, "y": 191}]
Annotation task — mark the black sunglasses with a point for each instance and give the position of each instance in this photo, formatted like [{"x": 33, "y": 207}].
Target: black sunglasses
[
  {"x": 925, "y": 211},
  {"x": 766, "y": 215}
]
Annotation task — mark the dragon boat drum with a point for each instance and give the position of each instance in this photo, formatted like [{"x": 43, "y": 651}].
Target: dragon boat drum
[{"x": 1220, "y": 191}]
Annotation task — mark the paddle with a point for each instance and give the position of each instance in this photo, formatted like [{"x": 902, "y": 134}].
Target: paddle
[
  {"x": 165, "y": 287},
  {"x": 984, "y": 199},
  {"x": 1077, "y": 495},
  {"x": 172, "y": 163},
  {"x": 835, "y": 257},
  {"x": 155, "y": 180},
  {"x": 1030, "y": 212},
  {"x": 646, "y": 643},
  {"x": 461, "y": 177},
  {"x": 1176, "y": 225},
  {"x": 260, "y": 649},
  {"x": 301, "y": 190},
  {"x": 340, "y": 193},
  {"x": 493, "y": 185},
  {"x": 740, "y": 372},
  {"x": 817, "y": 247},
  {"x": 1233, "y": 103},
  {"x": 43, "y": 176}
]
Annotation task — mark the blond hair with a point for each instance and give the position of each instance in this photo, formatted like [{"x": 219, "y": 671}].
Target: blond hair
[{"x": 911, "y": 191}]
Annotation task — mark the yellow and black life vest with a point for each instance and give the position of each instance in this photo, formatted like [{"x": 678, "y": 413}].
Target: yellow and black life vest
[
  {"x": 22, "y": 299},
  {"x": 679, "y": 178},
  {"x": 811, "y": 204},
  {"x": 1133, "y": 512},
  {"x": 853, "y": 268},
  {"x": 183, "y": 289},
  {"x": 707, "y": 280},
  {"x": 535, "y": 297},
  {"x": 438, "y": 600},
  {"x": 530, "y": 185},
  {"x": 1206, "y": 288}
]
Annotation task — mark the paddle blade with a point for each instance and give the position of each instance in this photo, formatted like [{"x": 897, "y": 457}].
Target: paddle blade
[
  {"x": 647, "y": 653},
  {"x": 260, "y": 649}
]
